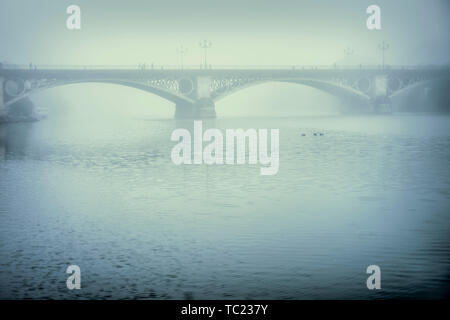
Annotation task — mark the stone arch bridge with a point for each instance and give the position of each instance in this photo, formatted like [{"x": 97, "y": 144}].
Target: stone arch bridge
[{"x": 195, "y": 92}]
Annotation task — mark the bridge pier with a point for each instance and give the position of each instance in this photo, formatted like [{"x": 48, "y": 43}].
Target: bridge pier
[
  {"x": 382, "y": 104},
  {"x": 203, "y": 108},
  {"x": 184, "y": 110},
  {"x": 3, "y": 111}
]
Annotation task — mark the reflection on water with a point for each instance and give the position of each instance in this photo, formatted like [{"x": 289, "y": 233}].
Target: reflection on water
[{"x": 371, "y": 190}]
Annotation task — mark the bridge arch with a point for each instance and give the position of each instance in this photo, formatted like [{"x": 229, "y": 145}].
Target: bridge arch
[
  {"x": 161, "y": 92},
  {"x": 326, "y": 86},
  {"x": 418, "y": 84}
]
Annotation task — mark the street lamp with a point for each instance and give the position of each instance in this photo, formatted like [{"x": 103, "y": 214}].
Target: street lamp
[
  {"x": 181, "y": 51},
  {"x": 205, "y": 45},
  {"x": 383, "y": 47},
  {"x": 348, "y": 51}
]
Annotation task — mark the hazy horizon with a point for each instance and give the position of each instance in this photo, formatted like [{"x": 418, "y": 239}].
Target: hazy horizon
[
  {"x": 297, "y": 184},
  {"x": 242, "y": 33}
]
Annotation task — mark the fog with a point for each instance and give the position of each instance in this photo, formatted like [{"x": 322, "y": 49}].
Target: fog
[
  {"x": 253, "y": 32},
  {"x": 94, "y": 184}
]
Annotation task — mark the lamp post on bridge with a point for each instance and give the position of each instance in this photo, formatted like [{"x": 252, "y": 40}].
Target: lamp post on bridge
[
  {"x": 383, "y": 47},
  {"x": 181, "y": 51},
  {"x": 348, "y": 52},
  {"x": 205, "y": 45}
]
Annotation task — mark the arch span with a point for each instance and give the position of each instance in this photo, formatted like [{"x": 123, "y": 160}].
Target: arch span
[
  {"x": 329, "y": 87},
  {"x": 168, "y": 95},
  {"x": 416, "y": 85}
]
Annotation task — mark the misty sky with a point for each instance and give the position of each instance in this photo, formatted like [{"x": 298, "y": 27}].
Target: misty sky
[{"x": 251, "y": 32}]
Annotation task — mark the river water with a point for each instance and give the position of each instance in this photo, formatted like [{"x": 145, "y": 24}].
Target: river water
[{"x": 105, "y": 195}]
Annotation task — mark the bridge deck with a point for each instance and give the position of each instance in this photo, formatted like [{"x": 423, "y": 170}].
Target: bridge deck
[{"x": 117, "y": 72}]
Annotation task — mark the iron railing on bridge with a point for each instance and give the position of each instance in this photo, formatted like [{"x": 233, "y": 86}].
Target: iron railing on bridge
[{"x": 221, "y": 67}]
